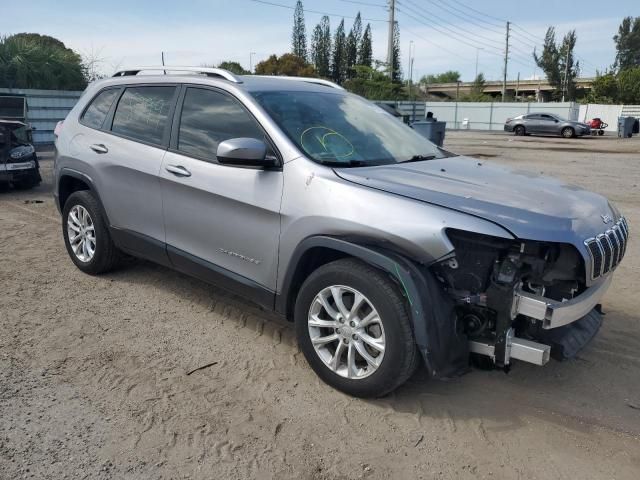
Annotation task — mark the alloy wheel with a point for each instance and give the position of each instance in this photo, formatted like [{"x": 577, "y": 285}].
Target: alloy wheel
[
  {"x": 346, "y": 332},
  {"x": 81, "y": 233}
]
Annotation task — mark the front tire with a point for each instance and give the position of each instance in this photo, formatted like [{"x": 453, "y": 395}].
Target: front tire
[
  {"x": 86, "y": 235},
  {"x": 519, "y": 131},
  {"x": 568, "y": 132},
  {"x": 354, "y": 330}
]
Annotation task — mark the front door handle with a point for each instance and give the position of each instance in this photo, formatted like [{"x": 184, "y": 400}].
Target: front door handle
[
  {"x": 99, "y": 148},
  {"x": 178, "y": 170}
]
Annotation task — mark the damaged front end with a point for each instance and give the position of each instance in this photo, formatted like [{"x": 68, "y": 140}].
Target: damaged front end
[{"x": 524, "y": 300}]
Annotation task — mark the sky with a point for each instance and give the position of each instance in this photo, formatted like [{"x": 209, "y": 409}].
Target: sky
[{"x": 446, "y": 34}]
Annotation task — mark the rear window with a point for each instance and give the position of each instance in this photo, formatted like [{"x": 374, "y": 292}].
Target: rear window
[
  {"x": 96, "y": 113},
  {"x": 142, "y": 113}
]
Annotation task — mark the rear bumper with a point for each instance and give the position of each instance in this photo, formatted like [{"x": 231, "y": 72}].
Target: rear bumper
[{"x": 554, "y": 313}]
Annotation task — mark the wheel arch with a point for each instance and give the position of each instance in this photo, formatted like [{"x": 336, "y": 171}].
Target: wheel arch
[
  {"x": 71, "y": 181},
  {"x": 518, "y": 126},
  {"x": 429, "y": 308}
]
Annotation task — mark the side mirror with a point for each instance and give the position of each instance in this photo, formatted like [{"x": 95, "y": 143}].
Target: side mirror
[{"x": 249, "y": 152}]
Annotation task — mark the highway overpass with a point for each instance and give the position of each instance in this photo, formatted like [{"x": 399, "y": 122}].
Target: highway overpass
[{"x": 538, "y": 89}]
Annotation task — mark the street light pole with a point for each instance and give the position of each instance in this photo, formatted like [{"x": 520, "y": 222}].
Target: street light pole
[
  {"x": 477, "y": 54},
  {"x": 410, "y": 79}
]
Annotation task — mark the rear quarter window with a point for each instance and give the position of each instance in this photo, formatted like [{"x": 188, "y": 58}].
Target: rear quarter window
[
  {"x": 142, "y": 113},
  {"x": 98, "y": 109}
]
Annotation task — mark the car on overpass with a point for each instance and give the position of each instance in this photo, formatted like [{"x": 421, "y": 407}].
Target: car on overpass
[{"x": 546, "y": 124}]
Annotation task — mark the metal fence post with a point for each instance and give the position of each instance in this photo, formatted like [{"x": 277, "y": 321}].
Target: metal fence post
[
  {"x": 455, "y": 117},
  {"x": 491, "y": 116}
]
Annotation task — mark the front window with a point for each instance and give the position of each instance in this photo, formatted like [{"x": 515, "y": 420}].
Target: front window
[{"x": 345, "y": 130}]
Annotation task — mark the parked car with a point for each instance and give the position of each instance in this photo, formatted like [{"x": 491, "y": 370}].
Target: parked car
[
  {"x": 546, "y": 124},
  {"x": 385, "y": 250},
  {"x": 18, "y": 159}
]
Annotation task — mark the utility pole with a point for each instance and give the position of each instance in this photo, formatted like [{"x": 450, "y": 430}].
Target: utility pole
[
  {"x": 392, "y": 23},
  {"x": 517, "y": 86},
  {"x": 566, "y": 74},
  {"x": 506, "y": 61},
  {"x": 162, "y": 53}
]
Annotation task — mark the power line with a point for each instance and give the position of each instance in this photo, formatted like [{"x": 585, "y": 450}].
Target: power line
[
  {"x": 417, "y": 8},
  {"x": 430, "y": 25},
  {"x": 273, "y": 4},
  {"x": 365, "y": 3},
  {"x": 432, "y": 42},
  {"x": 448, "y": 8},
  {"x": 501, "y": 20}
]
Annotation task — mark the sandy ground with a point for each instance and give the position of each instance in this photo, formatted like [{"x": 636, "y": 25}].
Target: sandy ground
[{"x": 96, "y": 382}]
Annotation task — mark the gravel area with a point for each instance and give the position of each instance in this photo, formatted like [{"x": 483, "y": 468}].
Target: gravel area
[{"x": 100, "y": 378}]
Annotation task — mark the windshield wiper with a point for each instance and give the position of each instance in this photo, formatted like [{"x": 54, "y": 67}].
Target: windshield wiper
[
  {"x": 338, "y": 163},
  {"x": 419, "y": 158}
]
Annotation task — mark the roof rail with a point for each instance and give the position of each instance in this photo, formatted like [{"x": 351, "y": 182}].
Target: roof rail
[
  {"x": 210, "y": 72},
  {"x": 318, "y": 81}
]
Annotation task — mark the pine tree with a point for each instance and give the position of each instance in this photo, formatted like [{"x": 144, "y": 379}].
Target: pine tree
[
  {"x": 321, "y": 48},
  {"x": 557, "y": 61},
  {"x": 339, "y": 65},
  {"x": 353, "y": 42},
  {"x": 396, "y": 69},
  {"x": 299, "y": 35},
  {"x": 628, "y": 44},
  {"x": 365, "y": 54}
]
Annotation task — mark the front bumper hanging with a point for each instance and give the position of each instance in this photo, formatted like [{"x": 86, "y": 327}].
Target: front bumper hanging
[{"x": 555, "y": 313}]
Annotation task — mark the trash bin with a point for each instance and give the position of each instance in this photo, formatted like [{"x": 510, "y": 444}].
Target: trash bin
[
  {"x": 431, "y": 130},
  {"x": 625, "y": 126}
]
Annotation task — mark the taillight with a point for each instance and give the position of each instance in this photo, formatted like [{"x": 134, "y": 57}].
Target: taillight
[{"x": 58, "y": 129}]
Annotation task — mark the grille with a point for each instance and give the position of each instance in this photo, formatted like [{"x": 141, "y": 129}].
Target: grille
[{"x": 608, "y": 248}]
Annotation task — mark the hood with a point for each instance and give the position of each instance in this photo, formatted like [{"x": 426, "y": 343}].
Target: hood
[
  {"x": 529, "y": 205},
  {"x": 12, "y": 124}
]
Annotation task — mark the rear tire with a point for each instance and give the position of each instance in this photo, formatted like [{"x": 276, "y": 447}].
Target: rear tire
[
  {"x": 519, "y": 131},
  {"x": 568, "y": 132},
  {"x": 370, "y": 372},
  {"x": 100, "y": 254}
]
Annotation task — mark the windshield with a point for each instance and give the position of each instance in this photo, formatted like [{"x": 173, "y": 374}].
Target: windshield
[
  {"x": 20, "y": 136},
  {"x": 345, "y": 130}
]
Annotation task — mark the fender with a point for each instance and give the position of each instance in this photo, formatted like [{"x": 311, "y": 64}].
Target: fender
[{"x": 443, "y": 348}]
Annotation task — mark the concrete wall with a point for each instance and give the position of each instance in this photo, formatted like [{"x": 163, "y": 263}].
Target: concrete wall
[
  {"x": 492, "y": 116},
  {"x": 45, "y": 109},
  {"x": 415, "y": 110}
]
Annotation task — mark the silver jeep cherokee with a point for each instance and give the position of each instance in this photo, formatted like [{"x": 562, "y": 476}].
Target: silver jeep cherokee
[{"x": 384, "y": 250}]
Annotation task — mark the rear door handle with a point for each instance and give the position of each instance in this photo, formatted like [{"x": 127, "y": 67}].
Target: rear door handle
[
  {"x": 99, "y": 148},
  {"x": 178, "y": 170}
]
